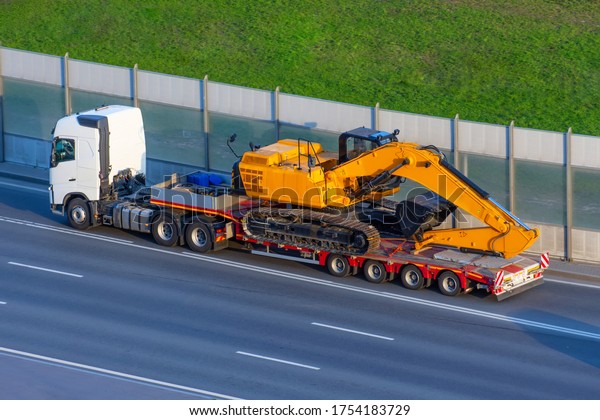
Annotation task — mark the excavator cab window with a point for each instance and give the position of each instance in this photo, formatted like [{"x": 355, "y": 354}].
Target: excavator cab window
[
  {"x": 355, "y": 142},
  {"x": 356, "y": 147}
]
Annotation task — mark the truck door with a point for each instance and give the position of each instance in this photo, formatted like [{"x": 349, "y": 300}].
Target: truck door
[
  {"x": 63, "y": 168},
  {"x": 73, "y": 168}
]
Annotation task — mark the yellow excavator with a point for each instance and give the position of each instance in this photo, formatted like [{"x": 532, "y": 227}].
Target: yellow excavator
[{"x": 337, "y": 201}]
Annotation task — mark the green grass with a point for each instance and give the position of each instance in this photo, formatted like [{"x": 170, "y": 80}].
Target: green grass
[{"x": 533, "y": 61}]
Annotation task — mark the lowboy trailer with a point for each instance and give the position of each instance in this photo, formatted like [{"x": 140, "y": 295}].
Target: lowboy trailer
[{"x": 453, "y": 271}]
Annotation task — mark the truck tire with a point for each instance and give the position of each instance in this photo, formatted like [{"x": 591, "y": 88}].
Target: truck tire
[
  {"x": 164, "y": 231},
  {"x": 375, "y": 271},
  {"x": 411, "y": 277},
  {"x": 198, "y": 237},
  {"x": 338, "y": 265},
  {"x": 448, "y": 283},
  {"x": 78, "y": 214}
]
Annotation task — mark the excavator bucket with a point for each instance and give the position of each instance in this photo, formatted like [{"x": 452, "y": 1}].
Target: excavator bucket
[{"x": 422, "y": 213}]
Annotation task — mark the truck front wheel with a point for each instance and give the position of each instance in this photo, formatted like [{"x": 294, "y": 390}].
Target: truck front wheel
[
  {"x": 164, "y": 231},
  {"x": 198, "y": 237},
  {"x": 78, "y": 214}
]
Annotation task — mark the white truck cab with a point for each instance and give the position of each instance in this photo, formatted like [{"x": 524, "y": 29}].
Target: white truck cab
[{"x": 89, "y": 149}]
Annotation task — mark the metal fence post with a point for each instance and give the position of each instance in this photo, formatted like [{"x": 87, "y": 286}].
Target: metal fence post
[
  {"x": 276, "y": 113},
  {"x": 68, "y": 107},
  {"x": 454, "y": 137},
  {"x": 455, "y": 142},
  {"x": 134, "y": 86},
  {"x": 569, "y": 197},
  {"x": 511, "y": 168},
  {"x": 1, "y": 108},
  {"x": 206, "y": 121}
]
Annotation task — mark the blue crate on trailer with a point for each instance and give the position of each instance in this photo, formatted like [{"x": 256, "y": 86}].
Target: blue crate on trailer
[{"x": 204, "y": 179}]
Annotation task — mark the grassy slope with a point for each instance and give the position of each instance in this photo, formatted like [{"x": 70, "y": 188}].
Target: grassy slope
[{"x": 534, "y": 61}]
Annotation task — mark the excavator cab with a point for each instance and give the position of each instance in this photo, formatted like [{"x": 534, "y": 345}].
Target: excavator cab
[{"x": 353, "y": 143}]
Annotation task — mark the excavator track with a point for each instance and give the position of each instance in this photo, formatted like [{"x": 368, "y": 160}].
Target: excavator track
[{"x": 312, "y": 229}]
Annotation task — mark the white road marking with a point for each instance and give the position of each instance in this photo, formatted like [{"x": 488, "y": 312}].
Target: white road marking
[
  {"x": 45, "y": 269},
  {"x": 351, "y": 331},
  {"x": 43, "y": 190},
  {"x": 287, "y": 362},
  {"x": 68, "y": 231},
  {"x": 571, "y": 283},
  {"x": 97, "y": 370},
  {"x": 388, "y": 295}
]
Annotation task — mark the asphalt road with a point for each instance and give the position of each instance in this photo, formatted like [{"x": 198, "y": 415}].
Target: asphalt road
[{"x": 109, "y": 314}]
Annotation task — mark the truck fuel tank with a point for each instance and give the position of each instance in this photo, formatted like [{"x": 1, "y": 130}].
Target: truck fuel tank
[{"x": 131, "y": 217}]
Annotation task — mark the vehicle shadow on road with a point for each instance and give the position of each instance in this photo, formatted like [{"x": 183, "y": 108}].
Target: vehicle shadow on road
[{"x": 578, "y": 340}]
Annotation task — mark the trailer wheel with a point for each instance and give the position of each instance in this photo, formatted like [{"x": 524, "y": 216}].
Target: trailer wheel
[
  {"x": 375, "y": 271},
  {"x": 198, "y": 237},
  {"x": 338, "y": 265},
  {"x": 164, "y": 231},
  {"x": 78, "y": 214},
  {"x": 411, "y": 277},
  {"x": 448, "y": 283}
]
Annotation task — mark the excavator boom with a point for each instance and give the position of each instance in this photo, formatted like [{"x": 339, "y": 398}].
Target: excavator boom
[{"x": 502, "y": 233}]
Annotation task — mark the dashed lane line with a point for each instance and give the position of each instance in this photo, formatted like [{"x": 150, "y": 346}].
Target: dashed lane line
[
  {"x": 33, "y": 267},
  {"x": 333, "y": 327},
  {"x": 272, "y": 359}
]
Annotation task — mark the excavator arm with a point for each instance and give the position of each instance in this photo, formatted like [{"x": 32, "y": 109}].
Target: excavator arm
[{"x": 502, "y": 233}]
